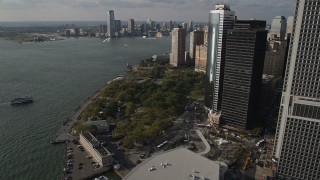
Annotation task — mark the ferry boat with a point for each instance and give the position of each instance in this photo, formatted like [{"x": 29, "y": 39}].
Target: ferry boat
[{"x": 23, "y": 100}]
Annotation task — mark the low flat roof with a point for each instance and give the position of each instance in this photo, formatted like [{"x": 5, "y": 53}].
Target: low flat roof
[
  {"x": 103, "y": 151},
  {"x": 182, "y": 164}
]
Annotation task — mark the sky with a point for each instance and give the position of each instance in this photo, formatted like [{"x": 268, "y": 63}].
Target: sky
[{"x": 158, "y": 10}]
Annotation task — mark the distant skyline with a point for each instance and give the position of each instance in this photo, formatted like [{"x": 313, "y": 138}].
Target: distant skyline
[{"x": 164, "y": 10}]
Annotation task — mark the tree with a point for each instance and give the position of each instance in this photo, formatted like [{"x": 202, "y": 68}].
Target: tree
[{"x": 130, "y": 108}]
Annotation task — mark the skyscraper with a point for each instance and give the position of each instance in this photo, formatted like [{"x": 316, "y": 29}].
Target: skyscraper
[
  {"x": 178, "y": 47},
  {"x": 297, "y": 142},
  {"x": 221, "y": 19},
  {"x": 196, "y": 38},
  {"x": 111, "y": 24},
  {"x": 274, "y": 62},
  {"x": 131, "y": 25},
  {"x": 201, "y": 54},
  {"x": 279, "y": 27},
  {"x": 246, "y": 45},
  {"x": 290, "y": 21}
]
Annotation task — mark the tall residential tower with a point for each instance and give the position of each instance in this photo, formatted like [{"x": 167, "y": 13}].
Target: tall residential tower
[
  {"x": 279, "y": 27},
  {"x": 111, "y": 24},
  {"x": 297, "y": 141},
  {"x": 178, "y": 47}
]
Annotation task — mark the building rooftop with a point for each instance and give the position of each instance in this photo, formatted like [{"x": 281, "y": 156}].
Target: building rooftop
[
  {"x": 179, "y": 164},
  {"x": 93, "y": 141}
]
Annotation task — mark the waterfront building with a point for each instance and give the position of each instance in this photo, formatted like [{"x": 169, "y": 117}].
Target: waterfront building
[
  {"x": 131, "y": 25},
  {"x": 245, "y": 52},
  {"x": 171, "y": 26},
  {"x": 290, "y": 21},
  {"x": 201, "y": 54},
  {"x": 179, "y": 163},
  {"x": 297, "y": 141},
  {"x": 185, "y": 26},
  {"x": 117, "y": 25},
  {"x": 196, "y": 38},
  {"x": 93, "y": 147},
  {"x": 279, "y": 27},
  {"x": 221, "y": 19},
  {"x": 190, "y": 26},
  {"x": 111, "y": 24},
  {"x": 275, "y": 57},
  {"x": 178, "y": 47}
]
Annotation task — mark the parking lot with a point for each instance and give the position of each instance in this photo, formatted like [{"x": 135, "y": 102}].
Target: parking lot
[{"x": 80, "y": 164}]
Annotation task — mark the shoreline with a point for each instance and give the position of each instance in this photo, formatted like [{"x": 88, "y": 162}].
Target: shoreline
[{"x": 63, "y": 134}]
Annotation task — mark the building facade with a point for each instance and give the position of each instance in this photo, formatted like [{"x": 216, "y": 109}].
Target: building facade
[
  {"x": 275, "y": 57},
  {"x": 245, "y": 52},
  {"x": 297, "y": 142},
  {"x": 93, "y": 146},
  {"x": 131, "y": 25},
  {"x": 279, "y": 27},
  {"x": 196, "y": 38},
  {"x": 221, "y": 19},
  {"x": 178, "y": 47},
  {"x": 290, "y": 22},
  {"x": 111, "y": 24}
]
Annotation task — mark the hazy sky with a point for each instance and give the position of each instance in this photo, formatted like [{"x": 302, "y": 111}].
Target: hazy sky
[{"x": 159, "y": 10}]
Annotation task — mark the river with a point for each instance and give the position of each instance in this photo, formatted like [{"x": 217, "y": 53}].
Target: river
[{"x": 59, "y": 76}]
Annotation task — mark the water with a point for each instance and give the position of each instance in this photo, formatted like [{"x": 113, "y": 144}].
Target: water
[{"x": 59, "y": 76}]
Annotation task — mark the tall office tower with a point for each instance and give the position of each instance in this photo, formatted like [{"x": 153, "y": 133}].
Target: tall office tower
[
  {"x": 111, "y": 24},
  {"x": 171, "y": 26},
  {"x": 196, "y": 38},
  {"x": 131, "y": 25},
  {"x": 178, "y": 47},
  {"x": 274, "y": 62},
  {"x": 279, "y": 27},
  {"x": 290, "y": 21},
  {"x": 221, "y": 19},
  {"x": 190, "y": 26},
  {"x": 185, "y": 26},
  {"x": 153, "y": 25},
  {"x": 297, "y": 141},
  {"x": 117, "y": 25},
  {"x": 246, "y": 45}
]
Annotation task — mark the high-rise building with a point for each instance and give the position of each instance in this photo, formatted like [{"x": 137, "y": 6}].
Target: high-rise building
[
  {"x": 185, "y": 26},
  {"x": 117, "y": 25},
  {"x": 221, "y": 19},
  {"x": 171, "y": 26},
  {"x": 279, "y": 27},
  {"x": 297, "y": 142},
  {"x": 201, "y": 54},
  {"x": 190, "y": 26},
  {"x": 274, "y": 62},
  {"x": 196, "y": 38},
  {"x": 131, "y": 25},
  {"x": 246, "y": 45},
  {"x": 178, "y": 47},
  {"x": 290, "y": 21},
  {"x": 111, "y": 24}
]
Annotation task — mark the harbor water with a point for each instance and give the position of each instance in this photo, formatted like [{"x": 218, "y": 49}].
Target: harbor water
[{"x": 59, "y": 76}]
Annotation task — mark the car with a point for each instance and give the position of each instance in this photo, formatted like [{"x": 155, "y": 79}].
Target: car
[
  {"x": 81, "y": 163},
  {"x": 68, "y": 178},
  {"x": 70, "y": 161},
  {"x": 80, "y": 167},
  {"x": 89, "y": 157}
]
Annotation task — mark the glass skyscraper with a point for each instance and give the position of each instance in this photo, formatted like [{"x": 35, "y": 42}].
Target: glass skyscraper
[
  {"x": 111, "y": 24},
  {"x": 297, "y": 141},
  {"x": 221, "y": 19}
]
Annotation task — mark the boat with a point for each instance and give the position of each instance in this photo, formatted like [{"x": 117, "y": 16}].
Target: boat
[
  {"x": 23, "y": 100},
  {"x": 101, "y": 178},
  {"x": 117, "y": 166}
]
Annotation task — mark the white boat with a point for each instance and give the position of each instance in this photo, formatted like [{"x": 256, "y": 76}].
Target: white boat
[
  {"x": 107, "y": 39},
  {"x": 101, "y": 178}
]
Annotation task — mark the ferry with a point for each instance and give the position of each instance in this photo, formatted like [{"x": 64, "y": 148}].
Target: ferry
[{"x": 23, "y": 100}]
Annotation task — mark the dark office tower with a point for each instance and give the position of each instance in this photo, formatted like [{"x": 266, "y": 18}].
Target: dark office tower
[
  {"x": 131, "y": 25},
  {"x": 246, "y": 45},
  {"x": 171, "y": 26},
  {"x": 221, "y": 19},
  {"x": 196, "y": 38},
  {"x": 297, "y": 141},
  {"x": 117, "y": 26},
  {"x": 111, "y": 24},
  {"x": 178, "y": 47}
]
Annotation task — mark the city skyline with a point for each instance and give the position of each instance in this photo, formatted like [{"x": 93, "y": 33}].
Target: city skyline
[{"x": 94, "y": 10}]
